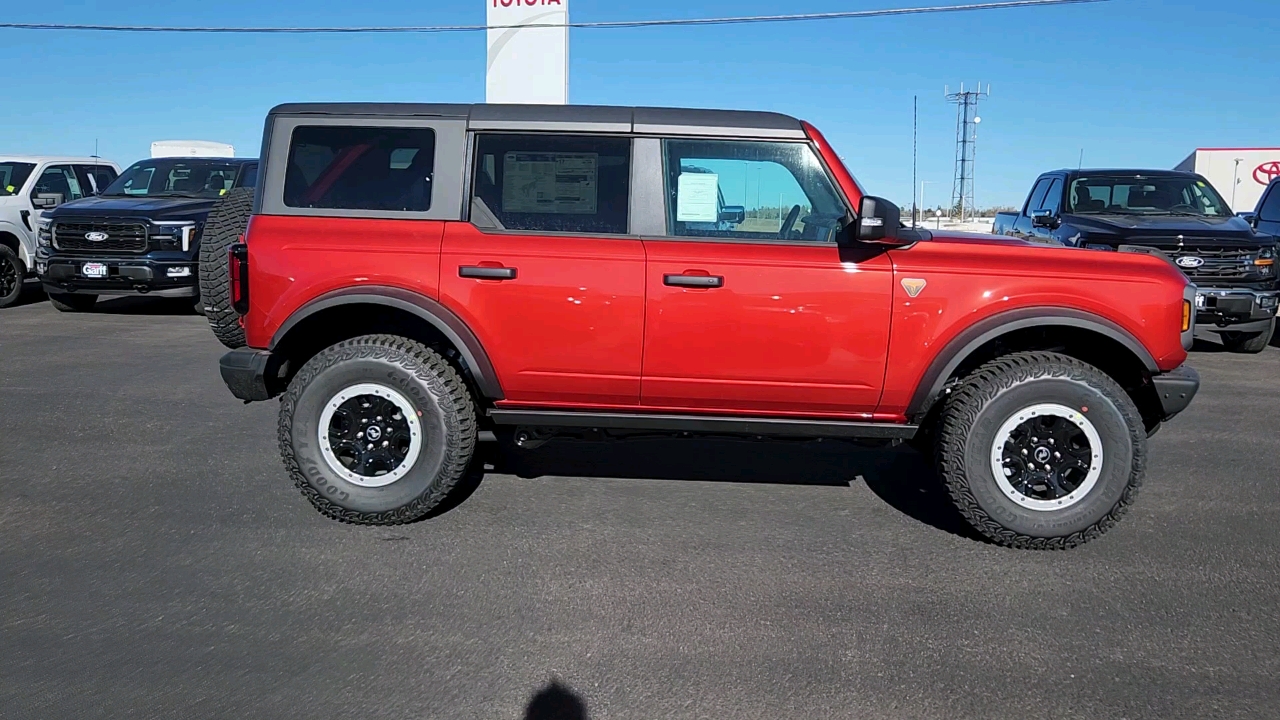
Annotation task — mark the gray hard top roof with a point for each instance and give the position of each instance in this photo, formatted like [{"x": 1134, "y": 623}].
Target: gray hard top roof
[{"x": 576, "y": 118}]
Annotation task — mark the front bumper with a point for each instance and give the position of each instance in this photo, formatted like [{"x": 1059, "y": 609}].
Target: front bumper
[
  {"x": 250, "y": 374},
  {"x": 1176, "y": 389},
  {"x": 1235, "y": 309},
  {"x": 124, "y": 276}
]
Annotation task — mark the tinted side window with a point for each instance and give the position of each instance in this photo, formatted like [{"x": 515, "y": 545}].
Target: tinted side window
[
  {"x": 750, "y": 191},
  {"x": 1270, "y": 210},
  {"x": 1053, "y": 197},
  {"x": 1037, "y": 196},
  {"x": 249, "y": 177},
  {"x": 60, "y": 179},
  {"x": 360, "y": 168},
  {"x": 552, "y": 183}
]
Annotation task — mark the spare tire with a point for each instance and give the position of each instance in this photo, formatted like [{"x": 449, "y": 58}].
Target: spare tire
[{"x": 227, "y": 222}]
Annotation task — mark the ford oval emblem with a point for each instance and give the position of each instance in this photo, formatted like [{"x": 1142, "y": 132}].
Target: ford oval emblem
[
  {"x": 96, "y": 236},
  {"x": 1189, "y": 261}
]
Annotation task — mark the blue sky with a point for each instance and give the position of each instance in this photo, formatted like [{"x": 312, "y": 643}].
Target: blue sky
[{"x": 1132, "y": 82}]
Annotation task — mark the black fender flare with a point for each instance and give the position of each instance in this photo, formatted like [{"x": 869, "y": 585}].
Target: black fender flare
[
  {"x": 431, "y": 311},
  {"x": 987, "y": 329}
]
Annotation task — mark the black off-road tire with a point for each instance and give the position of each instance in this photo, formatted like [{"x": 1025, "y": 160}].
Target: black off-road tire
[
  {"x": 13, "y": 273},
  {"x": 67, "y": 302},
  {"x": 995, "y": 393},
  {"x": 1250, "y": 343},
  {"x": 430, "y": 384},
  {"x": 227, "y": 222}
]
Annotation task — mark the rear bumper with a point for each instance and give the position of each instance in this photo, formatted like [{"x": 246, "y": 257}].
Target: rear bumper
[
  {"x": 249, "y": 373},
  {"x": 1176, "y": 389}
]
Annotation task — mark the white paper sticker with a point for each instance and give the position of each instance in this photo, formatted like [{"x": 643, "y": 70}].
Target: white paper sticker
[
  {"x": 558, "y": 183},
  {"x": 696, "y": 195}
]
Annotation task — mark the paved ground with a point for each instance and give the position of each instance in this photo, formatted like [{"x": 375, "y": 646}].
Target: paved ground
[{"x": 156, "y": 562}]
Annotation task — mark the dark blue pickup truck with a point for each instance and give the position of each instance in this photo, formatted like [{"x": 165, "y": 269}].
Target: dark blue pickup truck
[
  {"x": 141, "y": 236},
  {"x": 1171, "y": 213}
]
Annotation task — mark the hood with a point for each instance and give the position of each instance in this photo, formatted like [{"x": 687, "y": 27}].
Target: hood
[
  {"x": 947, "y": 235},
  {"x": 1149, "y": 227},
  {"x": 194, "y": 209}
]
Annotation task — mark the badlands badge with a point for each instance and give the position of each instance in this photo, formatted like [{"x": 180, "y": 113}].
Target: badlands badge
[{"x": 913, "y": 286}]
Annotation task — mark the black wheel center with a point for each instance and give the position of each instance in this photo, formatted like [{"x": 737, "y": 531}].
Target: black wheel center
[
  {"x": 369, "y": 435},
  {"x": 1046, "y": 457}
]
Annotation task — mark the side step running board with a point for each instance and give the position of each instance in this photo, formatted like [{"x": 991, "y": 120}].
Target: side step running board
[{"x": 705, "y": 424}]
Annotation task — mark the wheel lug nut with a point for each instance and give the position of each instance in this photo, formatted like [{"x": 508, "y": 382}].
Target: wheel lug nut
[
  {"x": 1057, "y": 456},
  {"x": 370, "y": 446},
  {"x": 1024, "y": 451},
  {"x": 1047, "y": 468},
  {"x": 386, "y": 443},
  {"x": 1051, "y": 441}
]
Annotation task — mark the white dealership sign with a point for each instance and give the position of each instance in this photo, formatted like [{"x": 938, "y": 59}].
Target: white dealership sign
[{"x": 528, "y": 64}]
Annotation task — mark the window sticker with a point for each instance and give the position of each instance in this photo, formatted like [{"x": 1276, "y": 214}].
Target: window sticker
[
  {"x": 696, "y": 195},
  {"x": 556, "y": 183}
]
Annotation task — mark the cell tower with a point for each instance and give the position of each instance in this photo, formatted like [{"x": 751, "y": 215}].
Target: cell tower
[{"x": 966, "y": 102}]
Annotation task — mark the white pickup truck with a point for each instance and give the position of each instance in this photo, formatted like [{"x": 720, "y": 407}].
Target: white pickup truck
[{"x": 29, "y": 185}]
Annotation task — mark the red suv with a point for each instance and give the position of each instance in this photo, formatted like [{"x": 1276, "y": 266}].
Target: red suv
[{"x": 414, "y": 275}]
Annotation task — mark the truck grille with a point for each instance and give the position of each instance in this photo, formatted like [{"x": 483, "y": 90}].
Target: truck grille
[
  {"x": 1220, "y": 263},
  {"x": 120, "y": 236}
]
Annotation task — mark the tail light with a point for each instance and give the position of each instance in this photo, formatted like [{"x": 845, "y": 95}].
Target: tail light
[{"x": 238, "y": 264}]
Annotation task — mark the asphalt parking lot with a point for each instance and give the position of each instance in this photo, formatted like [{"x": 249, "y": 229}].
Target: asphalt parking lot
[{"x": 156, "y": 562}]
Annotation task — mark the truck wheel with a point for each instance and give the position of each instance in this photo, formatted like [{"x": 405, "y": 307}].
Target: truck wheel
[
  {"x": 1248, "y": 342},
  {"x": 377, "y": 430},
  {"x": 12, "y": 273},
  {"x": 227, "y": 222},
  {"x": 66, "y": 302},
  {"x": 1041, "y": 451}
]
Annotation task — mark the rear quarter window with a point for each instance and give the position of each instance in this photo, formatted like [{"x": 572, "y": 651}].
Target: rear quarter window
[{"x": 360, "y": 168}]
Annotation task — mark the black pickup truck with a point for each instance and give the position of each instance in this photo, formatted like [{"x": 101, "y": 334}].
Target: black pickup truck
[
  {"x": 141, "y": 236},
  {"x": 1175, "y": 214}
]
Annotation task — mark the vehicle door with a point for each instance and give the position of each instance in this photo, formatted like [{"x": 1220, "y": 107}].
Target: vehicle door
[
  {"x": 1023, "y": 227},
  {"x": 15, "y": 178},
  {"x": 56, "y": 184},
  {"x": 1042, "y": 229},
  {"x": 752, "y": 306},
  {"x": 1268, "y": 215},
  {"x": 546, "y": 272}
]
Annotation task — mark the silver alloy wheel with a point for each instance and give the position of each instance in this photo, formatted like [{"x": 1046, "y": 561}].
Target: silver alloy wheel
[
  {"x": 370, "y": 435},
  {"x": 1047, "y": 457}
]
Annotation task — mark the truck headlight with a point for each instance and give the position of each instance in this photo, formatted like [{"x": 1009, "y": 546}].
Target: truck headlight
[{"x": 44, "y": 236}]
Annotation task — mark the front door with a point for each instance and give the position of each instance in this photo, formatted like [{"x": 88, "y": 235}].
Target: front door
[
  {"x": 546, "y": 273},
  {"x": 752, "y": 307}
]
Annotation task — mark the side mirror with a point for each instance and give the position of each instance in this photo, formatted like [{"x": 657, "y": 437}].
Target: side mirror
[
  {"x": 1251, "y": 218},
  {"x": 1043, "y": 219},
  {"x": 45, "y": 201},
  {"x": 733, "y": 214},
  {"x": 878, "y": 222}
]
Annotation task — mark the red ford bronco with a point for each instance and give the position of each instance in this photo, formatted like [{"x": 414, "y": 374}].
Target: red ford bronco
[{"x": 415, "y": 275}]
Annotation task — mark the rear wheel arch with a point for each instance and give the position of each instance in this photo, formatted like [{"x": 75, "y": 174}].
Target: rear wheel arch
[
  {"x": 1084, "y": 336},
  {"x": 344, "y": 314}
]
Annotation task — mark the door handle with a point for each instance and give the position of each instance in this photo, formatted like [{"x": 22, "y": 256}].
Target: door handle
[
  {"x": 693, "y": 281},
  {"x": 481, "y": 272}
]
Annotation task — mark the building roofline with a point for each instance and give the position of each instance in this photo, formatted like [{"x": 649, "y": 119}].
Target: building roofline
[{"x": 1235, "y": 149}]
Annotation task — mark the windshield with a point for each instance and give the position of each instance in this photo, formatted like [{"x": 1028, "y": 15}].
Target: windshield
[
  {"x": 13, "y": 175},
  {"x": 175, "y": 178},
  {"x": 1145, "y": 195}
]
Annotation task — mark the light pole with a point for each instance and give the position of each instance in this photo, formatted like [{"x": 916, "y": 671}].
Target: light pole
[{"x": 1235, "y": 180}]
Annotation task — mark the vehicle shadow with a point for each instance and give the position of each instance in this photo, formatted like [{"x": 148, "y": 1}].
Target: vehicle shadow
[
  {"x": 135, "y": 305},
  {"x": 32, "y": 293},
  {"x": 556, "y": 701},
  {"x": 901, "y": 477}
]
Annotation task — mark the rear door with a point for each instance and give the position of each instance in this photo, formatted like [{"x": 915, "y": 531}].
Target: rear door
[
  {"x": 752, "y": 306},
  {"x": 547, "y": 272}
]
